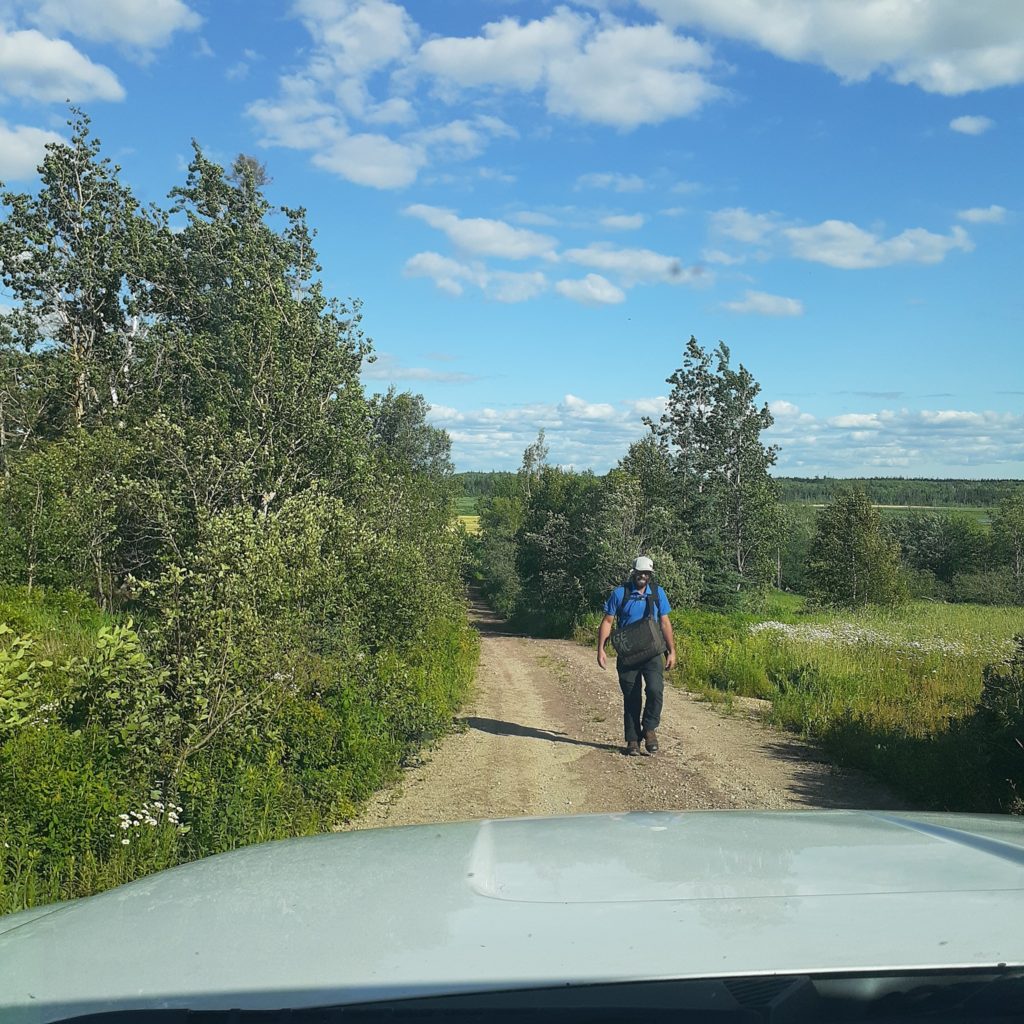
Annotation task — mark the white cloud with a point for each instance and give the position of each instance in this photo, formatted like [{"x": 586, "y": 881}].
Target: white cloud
[
  {"x": 984, "y": 214},
  {"x": 971, "y": 124},
  {"x": 766, "y": 305},
  {"x": 582, "y": 410},
  {"x": 484, "y": 236},
  {"x": 637, "y": 266},
  {"x": 592, "y": 290},
  {"x": 374, "y": 160},
  {"x": 507, "y": 53},
  {"x": 145, "y": 24},
  {"x": 652, "y": 407},
  {"x": 742, "y": 225},
  {"x": 594, "y": 70},
  {"x": 511, "y": 286},
  {"x": 35, "y": 67},
  {"x": 451, "y": 276},
  {"x": 612, "y": 180},
  {"x": 357, "y": 38},
  {"x": 856, "y": 419},
  {"x": 945, "y": 442},
  {"x": 631, "y": 75},
  {"x": 361, "y": 47},
  {"x": 580, "y": 433},
  {"x": 624, "y": 221},
  {"x": 938, "y": 45},
  {"x": 839, "y": 243},
  {"x": 21, "y": 150}
]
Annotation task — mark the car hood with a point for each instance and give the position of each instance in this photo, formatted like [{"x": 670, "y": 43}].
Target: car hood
[{"x": 487, "y": 905}]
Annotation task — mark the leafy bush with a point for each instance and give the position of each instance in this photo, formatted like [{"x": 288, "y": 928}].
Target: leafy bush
[{"x": 991, "y": 586}]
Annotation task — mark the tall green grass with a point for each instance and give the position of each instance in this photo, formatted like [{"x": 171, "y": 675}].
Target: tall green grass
[{"x": 884, "y": 689}]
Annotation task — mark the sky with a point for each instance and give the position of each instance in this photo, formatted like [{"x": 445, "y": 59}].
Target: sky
[{"x": 539, "y": 203}]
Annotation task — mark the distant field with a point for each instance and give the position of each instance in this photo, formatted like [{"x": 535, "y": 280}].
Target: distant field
[
  {"x": 471, "y": 523},
  {"x": 466, "y": 506},
  {"x": 982, "y": 514}
]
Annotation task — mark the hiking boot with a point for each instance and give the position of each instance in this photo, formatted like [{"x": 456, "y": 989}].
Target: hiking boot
[
  {"x": 651, "y": 740},
  {"x": 632, "y": 749}
]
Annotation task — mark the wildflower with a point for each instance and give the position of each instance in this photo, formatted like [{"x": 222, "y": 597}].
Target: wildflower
[{"x": 124, "y": 842}]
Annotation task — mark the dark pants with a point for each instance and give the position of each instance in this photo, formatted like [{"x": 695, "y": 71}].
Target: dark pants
[{"x": 636, "y": 715}]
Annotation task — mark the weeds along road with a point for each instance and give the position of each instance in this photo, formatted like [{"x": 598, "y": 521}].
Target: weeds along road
[{"x": 542, "y": 735}]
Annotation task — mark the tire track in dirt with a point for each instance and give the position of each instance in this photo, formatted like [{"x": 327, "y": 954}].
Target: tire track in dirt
[{"x": 541, "y": 735}]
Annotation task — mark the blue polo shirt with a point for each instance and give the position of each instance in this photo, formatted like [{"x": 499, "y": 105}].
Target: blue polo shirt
[{"x": 635, "y": 605}]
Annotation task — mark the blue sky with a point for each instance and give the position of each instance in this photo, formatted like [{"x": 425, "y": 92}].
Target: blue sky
[{"x": 539, "y": 203}]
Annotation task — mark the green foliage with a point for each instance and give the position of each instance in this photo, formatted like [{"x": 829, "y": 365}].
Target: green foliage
[
  {"x": 19, "y": 680},
  {"x": 184, "y": 437},
  {"x": 727, "y": 498},
  {"x": 925, "y": 696},
  {"x": 851, "y": 562},
  {"x": 1008, "y": 538}
]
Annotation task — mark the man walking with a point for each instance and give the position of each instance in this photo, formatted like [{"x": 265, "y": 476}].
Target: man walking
[{"x": 628, "y": 603}]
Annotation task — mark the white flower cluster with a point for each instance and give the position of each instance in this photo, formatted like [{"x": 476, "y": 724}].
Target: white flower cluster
[
  {"x": 152, "y": 813},
  {"x": 851, "y": 635}
]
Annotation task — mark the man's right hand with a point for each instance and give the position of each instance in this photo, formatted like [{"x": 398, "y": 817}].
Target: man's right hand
[{"x": 602, "y": 658}]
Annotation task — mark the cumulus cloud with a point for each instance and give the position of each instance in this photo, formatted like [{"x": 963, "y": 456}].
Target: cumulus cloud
[
  {"x": 594, "y": 69},
  {"x": 766, "y": 305},
  {"x": 482, "y": 235},
  {"x": 939, "y": 441},
  {"x": 581, "y": 433},
  {"x": 371, "y": 159},
  {"x": 21, "y": 150},
  {"x": 142, "y": 24},
  {"x": 35, "y": 67},
  {"x": 637, "y": 266},
  {"x": 624, "y": 221},
  {"x": 838, "y": 243},
  {"x": 631, "y": 75},
  {"x": 592, "y": 290},
  {"x": 590, "y": 433},
  {"x": 743, "y": 226},
  {"x": 451, "y": 276},
  {"x": 983, "y": 215},
  {"x": 971, "y": 124},
  {"x": 942, "y": 47},
  {"x": 583, "y": 410},
  {"x": 333, "y": 106}
]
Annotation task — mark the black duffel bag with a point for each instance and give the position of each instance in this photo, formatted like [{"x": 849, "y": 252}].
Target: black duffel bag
[{"x": 641, "y": 640}]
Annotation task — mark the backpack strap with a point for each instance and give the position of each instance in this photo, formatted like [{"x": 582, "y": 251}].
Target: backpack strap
[
  {"x": 651, "y": 604},
  {"x": 622, "y": 603}
]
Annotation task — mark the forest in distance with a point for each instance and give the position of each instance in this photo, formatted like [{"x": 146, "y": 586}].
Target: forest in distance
[{"x": 913, "y": 492}]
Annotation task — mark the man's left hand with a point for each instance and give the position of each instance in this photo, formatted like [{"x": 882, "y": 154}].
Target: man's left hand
[{"x": 670, "y": 661}]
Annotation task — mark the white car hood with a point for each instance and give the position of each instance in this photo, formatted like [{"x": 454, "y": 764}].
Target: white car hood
[{"x": 486, "y": 905}]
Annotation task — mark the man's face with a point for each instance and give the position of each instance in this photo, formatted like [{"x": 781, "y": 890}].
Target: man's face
[{"x": 641, "y": 576}]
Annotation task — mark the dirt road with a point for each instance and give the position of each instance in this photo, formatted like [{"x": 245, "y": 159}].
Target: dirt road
[{"x": 542, "y": 735}]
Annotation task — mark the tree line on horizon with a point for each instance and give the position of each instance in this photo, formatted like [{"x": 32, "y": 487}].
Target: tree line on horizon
[{"x": 936, "y": 492}]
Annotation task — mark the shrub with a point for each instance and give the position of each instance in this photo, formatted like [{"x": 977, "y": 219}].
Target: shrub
[{"x": 990, "y": 586}]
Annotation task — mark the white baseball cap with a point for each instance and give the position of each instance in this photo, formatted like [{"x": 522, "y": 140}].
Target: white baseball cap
[{"x": 643, "y": 564}]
